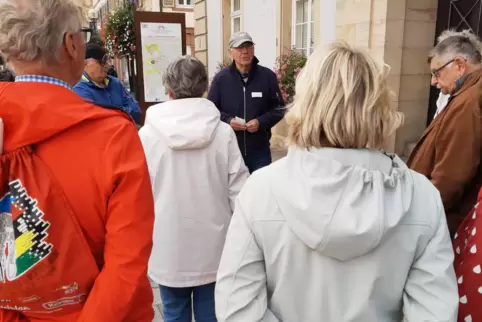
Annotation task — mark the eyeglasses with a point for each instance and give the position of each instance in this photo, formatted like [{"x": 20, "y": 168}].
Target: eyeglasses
[
  {"x": 436, "y": 72},
  {"x": 87, "y": 34},
  {"x": 104, "y": 60}
]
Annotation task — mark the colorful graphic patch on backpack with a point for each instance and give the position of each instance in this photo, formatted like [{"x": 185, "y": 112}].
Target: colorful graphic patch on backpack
[{"x": 23, "y": 233}]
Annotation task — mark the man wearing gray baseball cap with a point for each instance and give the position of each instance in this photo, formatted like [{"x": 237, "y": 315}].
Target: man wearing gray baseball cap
[{"x": 248, "y": 97}]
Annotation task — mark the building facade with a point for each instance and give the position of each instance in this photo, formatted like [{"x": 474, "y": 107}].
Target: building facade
[
  {"x": 397, "y": 32},
  {"x": 104, "y": 7},
  {"x": 86, "y": 5}
]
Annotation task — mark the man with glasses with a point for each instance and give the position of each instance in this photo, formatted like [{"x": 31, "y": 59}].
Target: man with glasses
[
  {"x": 248, "y": 97},
  {"x": 449, "y": 152},
  {"x": 98, "y": 87}
]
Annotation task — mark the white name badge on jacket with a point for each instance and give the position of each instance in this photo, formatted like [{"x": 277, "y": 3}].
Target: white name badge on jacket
[{"x": 256, "y": 94}]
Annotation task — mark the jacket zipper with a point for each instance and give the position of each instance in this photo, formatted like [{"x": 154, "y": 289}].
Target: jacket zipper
[{"x": 244, "y": 102}]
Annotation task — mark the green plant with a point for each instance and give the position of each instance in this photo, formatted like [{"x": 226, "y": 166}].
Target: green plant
[
  {"x": 223, "y": 64},
  {"x": 97, "y": 39},
  {"x": 120, "y": 36},
  {"x": 287, "y": 68}
]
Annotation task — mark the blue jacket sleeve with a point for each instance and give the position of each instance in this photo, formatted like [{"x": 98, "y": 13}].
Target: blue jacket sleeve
[
  {"x": 276, "y": 105},
  {"x": 84, "y": 92},
  {"x": 131, "y": 105},
  {"x": 214, "y": 96}
]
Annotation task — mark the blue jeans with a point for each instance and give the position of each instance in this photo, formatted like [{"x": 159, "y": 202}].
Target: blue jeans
[
  {"x": 257, "y": 159},
  {"x": 178, "y": 303}
]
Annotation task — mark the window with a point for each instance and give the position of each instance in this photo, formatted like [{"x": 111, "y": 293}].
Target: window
[
  {"x": 236, "y": 24},
  {"x": 303, "y": 35},
  {"x": 185, "y": 3}
]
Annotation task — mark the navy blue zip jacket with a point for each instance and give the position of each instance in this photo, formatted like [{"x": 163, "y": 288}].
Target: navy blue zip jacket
[{"x": 259, "y": 99}]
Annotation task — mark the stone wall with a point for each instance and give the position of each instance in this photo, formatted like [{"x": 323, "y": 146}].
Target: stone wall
[
  {"x": 419, "y": 36},
  {"x": 399, "y": 33},
  {"x": 200, "y": 31},
  {"x": 284, "y": 44}
]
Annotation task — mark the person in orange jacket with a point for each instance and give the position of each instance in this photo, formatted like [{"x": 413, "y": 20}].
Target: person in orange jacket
[{"x": 95, "y": 158}]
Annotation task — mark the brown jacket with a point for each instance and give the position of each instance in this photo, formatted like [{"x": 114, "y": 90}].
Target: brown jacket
[{"x": 449, "y": 151}]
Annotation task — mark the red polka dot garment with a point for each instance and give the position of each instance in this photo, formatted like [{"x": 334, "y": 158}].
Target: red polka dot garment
[{"x": 468, "y": 265}]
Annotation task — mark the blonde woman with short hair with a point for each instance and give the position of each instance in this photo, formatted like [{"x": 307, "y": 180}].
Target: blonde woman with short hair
[{"x": 338, "y": 231}]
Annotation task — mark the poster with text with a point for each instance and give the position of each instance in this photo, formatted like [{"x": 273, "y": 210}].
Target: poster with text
[{"x": 161, "y": 44}]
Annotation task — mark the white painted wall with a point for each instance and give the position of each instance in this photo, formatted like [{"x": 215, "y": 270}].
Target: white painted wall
[
  {"x": 260, "y": 21},
  {"x": 260, "y": 17},
  {"x": 215, "y": 34},
  {"x": 155, "y": 5},
  {"x": 327, "y": 21},
  {"x": 189, "y": 15},
  {"x": 97, "y": 4}
]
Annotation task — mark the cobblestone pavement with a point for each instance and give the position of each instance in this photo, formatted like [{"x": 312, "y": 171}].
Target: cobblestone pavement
[{"x": 159, "y": 317}]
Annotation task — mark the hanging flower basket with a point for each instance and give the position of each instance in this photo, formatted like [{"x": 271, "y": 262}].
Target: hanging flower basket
[
  {"x": 120, "y": 36},
  {"x": 287, "y": 68}
]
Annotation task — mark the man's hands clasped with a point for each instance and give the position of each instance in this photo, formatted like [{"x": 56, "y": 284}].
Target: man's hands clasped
[{"x": 252, "y": 126}]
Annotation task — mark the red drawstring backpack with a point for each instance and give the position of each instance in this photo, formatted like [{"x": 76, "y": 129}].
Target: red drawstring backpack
[{"x": 46, "y": 266}]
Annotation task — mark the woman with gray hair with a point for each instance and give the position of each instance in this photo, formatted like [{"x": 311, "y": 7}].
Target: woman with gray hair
[
  {"x": 196, "y": 171},
  {"x": 338, "y": 231}
]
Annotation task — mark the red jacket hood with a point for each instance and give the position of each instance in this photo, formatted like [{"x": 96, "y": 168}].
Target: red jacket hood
[{"x": 34, "y": 112}]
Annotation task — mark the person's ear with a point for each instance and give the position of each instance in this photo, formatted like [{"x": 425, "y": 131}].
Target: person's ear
[
  {"x": 461, "y": 64},
  {"x": 169, "y": 94},
  {"x": 87, "y": 64},
  {"x": 72, "y": 47}
]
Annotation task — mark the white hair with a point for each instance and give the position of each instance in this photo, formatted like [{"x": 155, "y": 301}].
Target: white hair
[
  {"x": 464, "y": 33},
  {"x": 453, "y": 43},
  {"x": 33, "y": 30},
  {"x": 186, "y": 77}
]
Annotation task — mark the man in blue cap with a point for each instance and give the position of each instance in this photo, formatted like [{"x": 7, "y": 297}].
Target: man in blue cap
[{"x": 99, "y": 88}]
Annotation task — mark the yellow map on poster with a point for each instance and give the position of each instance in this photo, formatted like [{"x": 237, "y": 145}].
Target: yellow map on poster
[
  {"x": 161, "y": 44},
  {"x": 153, "y": 63}
]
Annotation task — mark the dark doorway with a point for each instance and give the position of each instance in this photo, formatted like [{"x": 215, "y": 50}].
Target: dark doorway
[{"x": 459, "y": 15}]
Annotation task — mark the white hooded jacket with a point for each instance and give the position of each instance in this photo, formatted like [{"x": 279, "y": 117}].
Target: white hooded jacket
[
  {"x": 196, "y": 172},
  {"x": 337, "y": 235}
]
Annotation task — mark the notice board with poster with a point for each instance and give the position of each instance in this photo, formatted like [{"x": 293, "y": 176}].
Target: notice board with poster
[{"x": 160, "y": 39}]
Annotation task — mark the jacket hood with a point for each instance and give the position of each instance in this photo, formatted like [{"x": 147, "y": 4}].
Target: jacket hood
[
  {"x": 35, "y": 112},
  {"x": 189, "y": 123},
  {"x": 343, "y": 202}
]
